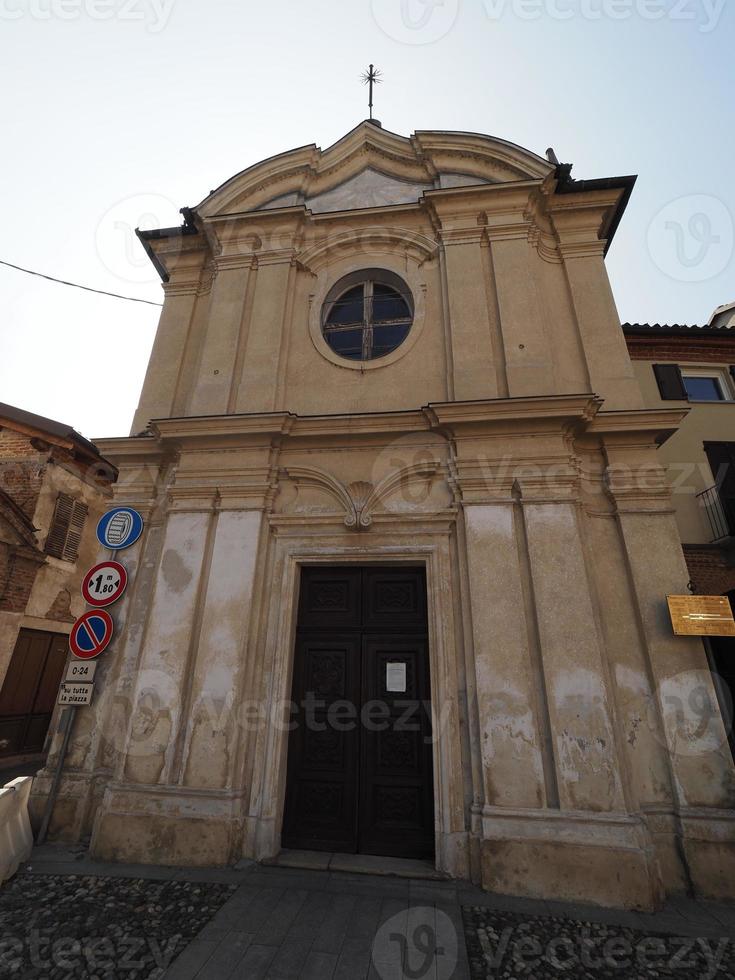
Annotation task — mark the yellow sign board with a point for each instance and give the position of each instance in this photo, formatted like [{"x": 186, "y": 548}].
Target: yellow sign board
[{"x": 701, "y": 615}]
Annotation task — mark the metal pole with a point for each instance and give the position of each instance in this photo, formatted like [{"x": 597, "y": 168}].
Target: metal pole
[{"x": 66, "y": 726}]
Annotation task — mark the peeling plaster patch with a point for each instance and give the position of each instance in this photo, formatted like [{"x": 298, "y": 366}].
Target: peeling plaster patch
[
  {"x": 175, "y": 573},
  {"x": 218, "y": 684},
  {"x": 632, "y": 680}
]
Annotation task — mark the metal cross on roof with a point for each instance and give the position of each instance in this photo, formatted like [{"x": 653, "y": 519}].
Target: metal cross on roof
[{"x": 371, "y": 77}]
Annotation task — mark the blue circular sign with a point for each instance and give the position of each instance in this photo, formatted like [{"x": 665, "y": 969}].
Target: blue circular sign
[{"x": 120, "y": 528}]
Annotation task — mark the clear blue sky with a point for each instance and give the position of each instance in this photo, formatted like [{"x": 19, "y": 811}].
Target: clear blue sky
[{"x": 119, "y": 112}]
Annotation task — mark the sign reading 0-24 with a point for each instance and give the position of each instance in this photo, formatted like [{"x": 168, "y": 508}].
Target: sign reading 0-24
[{"x": 119, "y": 528}]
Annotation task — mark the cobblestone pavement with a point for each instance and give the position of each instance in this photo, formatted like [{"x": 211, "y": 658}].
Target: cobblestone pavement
[
  {"x": 281, "y": 923},
  {"x": 82, "y": 926},
  {"x": 509, "y": 947}
]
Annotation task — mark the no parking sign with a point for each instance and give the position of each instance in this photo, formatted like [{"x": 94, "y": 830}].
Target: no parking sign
[{"x": 91, "y": 634}]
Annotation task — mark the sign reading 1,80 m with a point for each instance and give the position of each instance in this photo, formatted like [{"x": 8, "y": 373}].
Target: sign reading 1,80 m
[{"x": 104, "y": 584}]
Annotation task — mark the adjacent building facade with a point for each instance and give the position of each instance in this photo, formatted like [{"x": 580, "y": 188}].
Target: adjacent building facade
[
  {"x": 694, "y": 367},
  {"x": 408, "y": 542},
  {"x": 54, "y": 486}
]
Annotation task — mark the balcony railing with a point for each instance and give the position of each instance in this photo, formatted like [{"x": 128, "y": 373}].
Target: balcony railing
[{"x": 720, "y": 513}]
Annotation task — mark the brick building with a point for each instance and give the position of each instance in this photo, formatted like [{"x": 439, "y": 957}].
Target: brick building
[{"x": 53, "y": 486}]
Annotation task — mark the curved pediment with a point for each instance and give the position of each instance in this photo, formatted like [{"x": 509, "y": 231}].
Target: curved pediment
[{"x": 370, "y": 167}]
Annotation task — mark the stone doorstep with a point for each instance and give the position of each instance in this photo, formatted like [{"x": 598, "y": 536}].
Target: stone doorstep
[{"x": 367, "y": 864}]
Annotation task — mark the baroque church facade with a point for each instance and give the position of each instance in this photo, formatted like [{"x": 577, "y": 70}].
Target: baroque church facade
[{"x": 402, "y": 585}]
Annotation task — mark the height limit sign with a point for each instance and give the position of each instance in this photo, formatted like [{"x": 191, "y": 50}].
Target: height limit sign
[{"x": 104, "y": 584}]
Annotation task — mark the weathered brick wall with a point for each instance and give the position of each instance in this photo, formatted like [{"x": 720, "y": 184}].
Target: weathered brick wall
[
  {"x": 17, "y": 575},
  {"x": 712, "y": 569},
  {"x": 22, "y": 469},
  {"x": 687, "y": 349}
]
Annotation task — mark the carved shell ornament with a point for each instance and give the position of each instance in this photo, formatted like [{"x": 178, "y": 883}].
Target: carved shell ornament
[{"x": 359, "y": 499}]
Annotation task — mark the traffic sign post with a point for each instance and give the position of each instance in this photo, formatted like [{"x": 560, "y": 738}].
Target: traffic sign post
[
  {"x": 91, "y": 634},
  {"x": 104, "y": 584}
]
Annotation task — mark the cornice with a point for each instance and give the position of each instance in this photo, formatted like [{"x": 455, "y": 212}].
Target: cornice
[
  {"x": 651, "y": 425},
  {"x": 544, "y": 412}
]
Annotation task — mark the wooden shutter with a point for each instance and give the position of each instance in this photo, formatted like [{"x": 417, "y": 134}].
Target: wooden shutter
[
  {"x": 65, "y": 534},
  {"x": 670, "y": 382}
]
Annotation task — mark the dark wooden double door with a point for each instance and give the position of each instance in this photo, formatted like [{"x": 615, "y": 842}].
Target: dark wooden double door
[{"x": 360, "y": 747}]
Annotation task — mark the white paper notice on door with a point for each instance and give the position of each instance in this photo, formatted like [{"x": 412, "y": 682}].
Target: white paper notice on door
[{"x": 395, "y": 678}]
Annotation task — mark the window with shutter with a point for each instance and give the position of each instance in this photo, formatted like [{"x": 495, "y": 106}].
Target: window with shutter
[
  {"x": 65, "y": 533},
  {"x": 670, "y": 382}
]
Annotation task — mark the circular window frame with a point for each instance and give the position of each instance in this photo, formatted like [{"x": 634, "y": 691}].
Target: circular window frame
[{"x": 353, "y": 276}]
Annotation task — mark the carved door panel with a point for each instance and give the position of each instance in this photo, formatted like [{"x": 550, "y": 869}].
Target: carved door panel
[
  {"x": 323, "y": 757},
  {"x": 396, "y": 780},
  {"x": 360, "y": 757}
]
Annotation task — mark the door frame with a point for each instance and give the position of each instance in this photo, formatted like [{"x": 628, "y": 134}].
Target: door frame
[{"x": 431, "y": 550}]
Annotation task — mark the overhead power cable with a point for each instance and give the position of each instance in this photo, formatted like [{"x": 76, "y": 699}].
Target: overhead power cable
[{"x": 76, "y": 285}]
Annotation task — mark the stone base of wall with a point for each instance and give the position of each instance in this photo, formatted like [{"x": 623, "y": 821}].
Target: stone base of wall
[
  {"x": 191, "y": 842},
  {"x": 165, "y": 825},
  {"x": 711, "y": 568},
  {"x": 709, "y": 847},
  {"x": 600, "y": 859},
  {"x": 78, "y": 799}
]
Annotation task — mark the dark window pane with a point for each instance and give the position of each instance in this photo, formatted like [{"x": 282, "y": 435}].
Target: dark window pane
[
  {"x": 346, "y": 343},
  {"x": 348, "y": 308},
  {"x": 387, "y": 338},
  {"x": 703, "y": 389},
  {"x": 388, "y": 304}
]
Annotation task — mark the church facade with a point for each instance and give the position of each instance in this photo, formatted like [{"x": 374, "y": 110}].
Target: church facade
[{"x": 408, "y": 542}]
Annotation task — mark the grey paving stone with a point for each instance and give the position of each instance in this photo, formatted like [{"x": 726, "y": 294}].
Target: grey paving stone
[
  {"x": 255, "y": 963},
  {"x": 289, "y": 961},
  {"x": 310, "y": 916},
  {"x": 188, "y": 964},
  {"x": 228, "y": 954},
  {"x": 364, "y": 885},
  {"x": 274, "y": 930},
  {"x": 364, "y": 919},
  {"x": 255, "y": 914},
  {"x": 291, "y": 877},
  {"x": 421, "y": 893},
  {"x": 331, "y": 933},
  {"x": 319, "y": 966},
  {"x": 353, "y": 962}
]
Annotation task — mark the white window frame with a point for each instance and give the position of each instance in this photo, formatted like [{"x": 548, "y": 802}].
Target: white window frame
[{"x": 721, "y": 375}]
